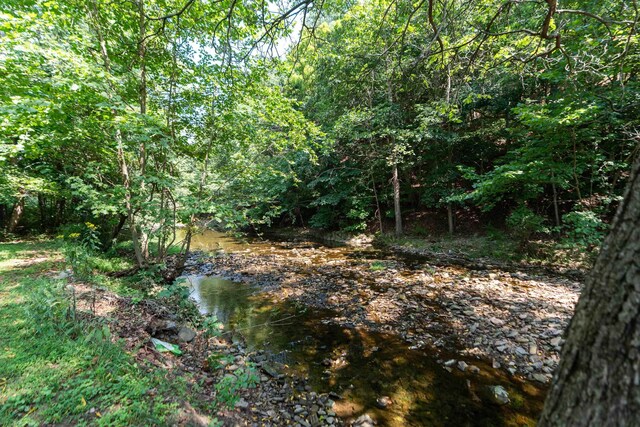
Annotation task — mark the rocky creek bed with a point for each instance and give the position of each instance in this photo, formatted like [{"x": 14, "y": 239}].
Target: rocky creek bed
[
  {"x": 274, "y": 399},
  {"x": 515, "y": 320},
  {"x": 505, "y": 326}
]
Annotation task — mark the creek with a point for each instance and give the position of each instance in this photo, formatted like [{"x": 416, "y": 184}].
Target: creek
[{"x": 354, "y": 363}]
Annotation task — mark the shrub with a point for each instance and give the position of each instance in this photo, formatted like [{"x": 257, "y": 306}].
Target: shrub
[
  {"x": 584, "y": 228},
  {"x": 523, "y": 223}
]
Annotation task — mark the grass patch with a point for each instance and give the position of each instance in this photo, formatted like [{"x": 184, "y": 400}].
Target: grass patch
[
  {"x": 377, "y": 266},
  {"x": 58, "y": 370}
]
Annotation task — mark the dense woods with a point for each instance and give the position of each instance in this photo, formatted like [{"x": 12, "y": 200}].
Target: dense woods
[
  {"x": 341, "y": 117},
  {"x": 139, "y": 121}
]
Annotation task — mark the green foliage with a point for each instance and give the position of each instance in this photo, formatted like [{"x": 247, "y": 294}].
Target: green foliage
[
  {"x": 228, "y": 387},
  {"x": 584, "y": 228},
  {"x": 489, "y": 122},
  {"x": 377, "y": 266},
  {"x": 212, "y": 326},
  {"x": 51, "y": 307},
  {"x": 57, "y": 368},
  {"x": 137, "y": 124},
  {"x": 79, "y": 248},
  {"x": 217, "y": 361},
  {"x": 176, "y": 295},
  {"x": 523, "y": 223}
]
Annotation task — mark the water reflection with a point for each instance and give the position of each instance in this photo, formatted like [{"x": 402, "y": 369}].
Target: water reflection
[
  {"x": 362, "y": 366},
  {"x": 212, "y": 241}
]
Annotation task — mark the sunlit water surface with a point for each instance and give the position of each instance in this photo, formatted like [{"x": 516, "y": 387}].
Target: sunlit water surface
[{"x": 358, "y": 365}]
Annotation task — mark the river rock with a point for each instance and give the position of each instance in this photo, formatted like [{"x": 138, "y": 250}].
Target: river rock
[
  {"x": 499, "y": 395},
  {"x": 556, "y": 341},
  {"x": 186, "y": 334},
  {"x": 540, "y": 378},
  {"x": 383, "y": 402},
  {"x": 364, "y": 421},
  {"x": 242, "y": 404},
  {"x": 496, "y": 321},
  {"x": 63, "y": 274},
  {"x": 270, "y": 369}
]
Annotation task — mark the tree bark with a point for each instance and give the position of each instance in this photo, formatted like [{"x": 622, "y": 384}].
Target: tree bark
[
  {"x": 16, "y": 214},
  {"x": 450, "y": 217},
  {"x": 598, "y": 380},
  {"x": 128, "y": 197},
  {"x": 62, "y": 203},
  {"x": 396, "y": 199},
  {"x": 378, "y": 210},
  {"x": 42, "y": 208},
  {"x": 122, "y": 220},
  {"x": 556, "y": 210}
]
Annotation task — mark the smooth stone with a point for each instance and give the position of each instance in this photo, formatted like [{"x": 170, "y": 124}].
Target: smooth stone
[
  {"x": 242, "y": 404},
  {"x": 540, "y": 378},
  {"x": 496, "y": 321},
  {"x": 383, "y": 402},
  {"x": 186, "y": 334},
  {"x": 499, "y": 395},
  {"x": 364, "y": 421}
]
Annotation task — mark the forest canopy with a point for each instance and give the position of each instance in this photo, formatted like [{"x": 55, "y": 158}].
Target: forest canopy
[{"x": 349, "y": 115}]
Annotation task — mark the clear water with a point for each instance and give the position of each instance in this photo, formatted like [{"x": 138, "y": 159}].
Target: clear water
[{"x": 358, "y": 365}]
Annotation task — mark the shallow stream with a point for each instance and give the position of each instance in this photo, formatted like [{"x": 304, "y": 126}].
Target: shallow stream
[{"x": 358, "y": 365}]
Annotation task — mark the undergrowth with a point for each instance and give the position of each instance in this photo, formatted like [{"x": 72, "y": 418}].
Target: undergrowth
[{"x": 58, "y": 367}]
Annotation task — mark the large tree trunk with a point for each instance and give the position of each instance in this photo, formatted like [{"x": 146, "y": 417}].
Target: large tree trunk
[{"x": 598, "y": 380}]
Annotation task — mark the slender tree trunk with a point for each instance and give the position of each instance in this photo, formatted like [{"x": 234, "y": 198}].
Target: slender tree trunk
[
  {"x": 62, "y": 203},
  {"x": 42, "y": 209},
  {"x": 575, "y": 166},
  {"x": 449, "y": 205},
  {"x": 142, "y": 91},
  {"x": 396, "y": 199},
  {"x": 598, "y": 380},
  {"x": 450, "y": 217},
  {"x": 142, "y": 51},
  {"x": 378, "y": 210},
  {"x": 131, "y": 217},
  {"x": 394, "y": 171},
  {"x": 556, "y": 210},
  {"x": 16, "y": 214}
]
